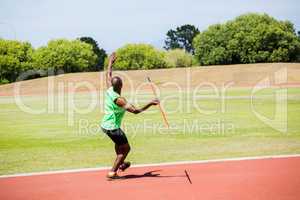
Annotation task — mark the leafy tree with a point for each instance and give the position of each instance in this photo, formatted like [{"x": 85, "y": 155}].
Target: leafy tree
[
  {"x": 69, "y": 56},
  {"x": 181, "y": 38},
  {"x": 139, "y": 56},
  {"x": 101, "y": 54},
  {"x": 250, "y": 38},
  {"x": 15, "y": 58}
]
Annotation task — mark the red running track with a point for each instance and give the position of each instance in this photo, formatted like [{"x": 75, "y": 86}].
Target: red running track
[{"x": 242, "y": 180}]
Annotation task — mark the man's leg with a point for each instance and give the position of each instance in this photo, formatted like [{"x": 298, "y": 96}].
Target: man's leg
[{"x": 122, "y": 152}]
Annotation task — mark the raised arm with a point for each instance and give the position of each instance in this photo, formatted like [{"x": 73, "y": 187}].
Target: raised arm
[
  {"x": 131, "y": 108},
  {"x": 111, "y": 61}
]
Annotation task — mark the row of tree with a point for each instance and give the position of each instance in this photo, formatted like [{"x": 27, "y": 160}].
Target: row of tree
[
  {"x": 249, "y": 38},
  {"x": 78, "y": 55},
  {"x": 145, "y": 56}
]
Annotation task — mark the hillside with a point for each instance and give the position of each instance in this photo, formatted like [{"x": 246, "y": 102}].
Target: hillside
[{"x": 239, "y": 75}]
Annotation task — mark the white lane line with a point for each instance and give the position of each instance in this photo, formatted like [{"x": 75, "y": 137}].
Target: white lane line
[{"x": 152, "y": 165}]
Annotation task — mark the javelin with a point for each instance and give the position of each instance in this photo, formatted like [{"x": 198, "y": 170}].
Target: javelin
[{"x": 160, "y": 107}]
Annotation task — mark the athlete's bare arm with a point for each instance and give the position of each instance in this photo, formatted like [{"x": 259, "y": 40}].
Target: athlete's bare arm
[
  {"x": 131, "y": 108},
  {"x": 112, "y": 58}
]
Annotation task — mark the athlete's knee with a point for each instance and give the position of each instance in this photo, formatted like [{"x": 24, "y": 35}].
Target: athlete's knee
[{"x": 125, "y": 148}]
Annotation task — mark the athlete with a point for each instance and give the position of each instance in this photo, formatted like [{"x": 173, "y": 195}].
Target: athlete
[{"x": 115, "y": 107}]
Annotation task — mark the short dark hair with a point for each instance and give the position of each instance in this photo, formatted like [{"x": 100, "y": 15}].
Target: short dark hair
[{"x": 116, "y": 83}]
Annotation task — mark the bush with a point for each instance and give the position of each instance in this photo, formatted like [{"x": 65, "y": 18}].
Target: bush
[
  {"x": 139, "y": 56},
  {"x": 69, "y": 56},
  {"x": 249, "y": 38},
  {"x": 178, "y": 58},
  {"x": 15, "y": 58},
  {"x": 3, "y": 81}
]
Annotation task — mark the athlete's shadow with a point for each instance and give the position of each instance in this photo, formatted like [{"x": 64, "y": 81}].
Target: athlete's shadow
[{"x": 152, "y": 174}]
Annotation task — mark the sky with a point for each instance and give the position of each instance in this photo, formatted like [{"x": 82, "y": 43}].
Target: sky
[{"x": 115, "y": 23}]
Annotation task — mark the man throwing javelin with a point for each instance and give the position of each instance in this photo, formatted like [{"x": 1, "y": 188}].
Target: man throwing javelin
[{"x": 115, "y": 107}]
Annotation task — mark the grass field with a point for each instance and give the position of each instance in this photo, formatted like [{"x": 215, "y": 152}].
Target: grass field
[{"x": 40, "y": 142}]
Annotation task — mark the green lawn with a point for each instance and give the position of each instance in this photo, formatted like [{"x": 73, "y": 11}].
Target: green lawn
[{"x": 41, "y": 142}]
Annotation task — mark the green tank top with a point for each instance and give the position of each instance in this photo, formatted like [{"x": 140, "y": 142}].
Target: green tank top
[{"x": 113, "y": 113}]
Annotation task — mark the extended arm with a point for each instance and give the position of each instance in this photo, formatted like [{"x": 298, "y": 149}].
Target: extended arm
[
  {"x": 131, "y": 108},
  {"x": 111, "y": 61}
]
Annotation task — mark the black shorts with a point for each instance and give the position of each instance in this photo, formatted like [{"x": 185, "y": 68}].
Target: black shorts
[{"x": 116, "y": 135}]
